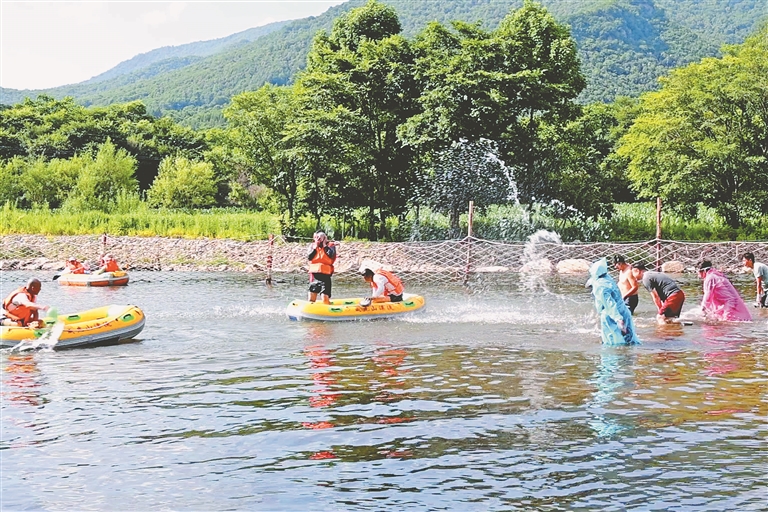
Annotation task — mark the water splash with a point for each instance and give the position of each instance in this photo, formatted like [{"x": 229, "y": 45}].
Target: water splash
[{"x": 47, "y": 341}]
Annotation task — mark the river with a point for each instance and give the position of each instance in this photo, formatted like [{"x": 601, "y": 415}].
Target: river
[{"x": 497, "y": 397}]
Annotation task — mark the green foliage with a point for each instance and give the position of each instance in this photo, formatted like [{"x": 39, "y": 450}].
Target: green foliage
[
  {"x": 701, "y": 138},
  {"x": 182, "y": 183},
  {"x": 102, "y": 179},
  {"x": 142, "y": 221},
  {"x": 11, "y": 188}
]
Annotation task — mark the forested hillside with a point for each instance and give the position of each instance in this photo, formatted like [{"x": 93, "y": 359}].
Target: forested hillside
[
  {"x": 624, "y": 46},
  {"x": 173, "y": 57}
]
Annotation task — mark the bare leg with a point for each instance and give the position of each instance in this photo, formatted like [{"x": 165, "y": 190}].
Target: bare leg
[{"x": 312, "y": 297}]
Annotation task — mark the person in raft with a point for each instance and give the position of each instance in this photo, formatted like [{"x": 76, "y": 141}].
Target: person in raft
[
  {"x": 721, "y": 300},
  {"x": 385, "y": 286},
  {"x": 616, "y": 326},
  {"x": 666, "y": 294},
  {"x": 74, "y": 267},
  {"x": 628, "y": 285},
  {"x": 109, "y": 265},
  {"x": 760, "y": 270},
  {"x": 20, "y": 307},
  {"x": 321, "y": 256}
]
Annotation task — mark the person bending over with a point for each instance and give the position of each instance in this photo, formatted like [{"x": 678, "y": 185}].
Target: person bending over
[
  {"x": 721, "y": 301},
  {"x": 666, "y": 294},
  {"x": 385, "y": 286}
]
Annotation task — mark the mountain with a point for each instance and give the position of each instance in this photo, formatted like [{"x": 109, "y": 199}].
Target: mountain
[{"x": 625, "y": 45}]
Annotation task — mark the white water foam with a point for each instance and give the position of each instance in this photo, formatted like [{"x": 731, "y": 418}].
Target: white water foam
[{"x": 46, "y": 342}]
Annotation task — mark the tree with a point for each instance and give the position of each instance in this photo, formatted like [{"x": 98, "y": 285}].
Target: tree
[
  {"x": 496, "y": 85},
  {"x": 182, "y": 183},
  {"x": 579, "y": 180},
  {"x": 261, "y": 151},
  {"x": 359, "y": 81},
  {"x": 702, "y": 137},
  {"x": 103, "y": 178}
]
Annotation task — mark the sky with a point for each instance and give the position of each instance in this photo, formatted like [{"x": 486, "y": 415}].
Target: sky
[{"x": 49, "y": 43}]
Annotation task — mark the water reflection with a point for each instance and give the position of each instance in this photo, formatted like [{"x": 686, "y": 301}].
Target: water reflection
[
  {"x": 21, "y": 381},
  {"x": 611, "y": 381}
]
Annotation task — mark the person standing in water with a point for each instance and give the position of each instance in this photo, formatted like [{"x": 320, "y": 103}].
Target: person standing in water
[
  {"x": 666, "y": 294},
  {"x": 721, "y": 300},
  {"x": 628, "y": 285},
  {"x": 760, "y": 270},
  {"x": 616, "y": 326}
]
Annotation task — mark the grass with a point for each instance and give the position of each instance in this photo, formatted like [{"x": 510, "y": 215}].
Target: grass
[{"x": 631, "y": 222}]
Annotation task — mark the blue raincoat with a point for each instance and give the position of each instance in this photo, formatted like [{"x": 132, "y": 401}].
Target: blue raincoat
[{"x": 610, "y": 307}]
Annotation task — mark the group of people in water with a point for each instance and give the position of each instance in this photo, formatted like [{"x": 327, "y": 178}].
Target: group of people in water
[
  {"x": 615, "y": 302},
  {"x": 20, "y": 307}
]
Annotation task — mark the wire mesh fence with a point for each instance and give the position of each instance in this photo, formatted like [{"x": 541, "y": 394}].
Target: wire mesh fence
[{"x": 419, "y": 262}]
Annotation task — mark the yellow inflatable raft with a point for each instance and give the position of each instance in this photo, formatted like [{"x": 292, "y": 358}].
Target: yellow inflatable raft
[
  {"x": 117, "y": 278},
  {"x": 350, "y": 309},
  {"x": 100, "y": 326}
]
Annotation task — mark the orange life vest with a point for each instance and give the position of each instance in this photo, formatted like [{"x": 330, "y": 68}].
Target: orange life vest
[
  {"x": 17, "y": 313},
  {"x": 321, "y": 263},
  {"x": 111, "y": 266},
  {"x": 76, "y": 268},
  {"x": 394, "y": 285}
]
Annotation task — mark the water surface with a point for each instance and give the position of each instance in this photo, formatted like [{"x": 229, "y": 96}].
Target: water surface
[{"x": 497, "y": 397}]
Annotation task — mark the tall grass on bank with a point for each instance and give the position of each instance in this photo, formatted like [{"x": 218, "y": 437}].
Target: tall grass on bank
[
  {"x": 237, "y": 225},
  {"x": 631, "y": 222}
]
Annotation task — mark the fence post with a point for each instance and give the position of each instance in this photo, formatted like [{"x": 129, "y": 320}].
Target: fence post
[
  {"x": 658, "y": 233},
  {"x": 269, "y": 259},
  {"x": 470, "y": 217}
]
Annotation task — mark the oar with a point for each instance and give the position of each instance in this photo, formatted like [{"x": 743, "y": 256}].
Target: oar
[{"x": 55, "y": 277}]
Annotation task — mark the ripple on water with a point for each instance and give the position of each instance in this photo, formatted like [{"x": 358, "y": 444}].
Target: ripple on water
[{"x": 501, "y": 400}]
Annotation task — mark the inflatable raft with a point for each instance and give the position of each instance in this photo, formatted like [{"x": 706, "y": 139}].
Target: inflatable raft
[
  {"x": 350, "y": 309},
  {"x": 117, "y": 278},
  {"x": 101, "y": 326}
]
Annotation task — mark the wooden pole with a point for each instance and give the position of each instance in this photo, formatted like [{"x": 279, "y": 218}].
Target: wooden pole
[
  {"x": 470, "y": 218},
  {"x": 658, "y": 233},
  {"x": 269, "y": 259}
]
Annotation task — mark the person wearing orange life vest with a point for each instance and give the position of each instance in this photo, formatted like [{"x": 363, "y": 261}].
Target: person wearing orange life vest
[
  {"x": 20, "y": 308},
  {"x": 385, "y": 286},
  {"x": 74, "y": 267},
  {"x": 321, "y": 256},
  {"x": 110, "y": 265}
]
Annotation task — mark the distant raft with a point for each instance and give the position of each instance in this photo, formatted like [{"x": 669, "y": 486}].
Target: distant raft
[
  {"x": 106, "y": 325},
  {"x": 341, "y": 310},
  {"x": 117, "y": 278}
]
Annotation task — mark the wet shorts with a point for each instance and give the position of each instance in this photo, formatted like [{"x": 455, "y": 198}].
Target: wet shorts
[
  {"x": 320, "y": 283},
  {"x": 672, "y": 307},
  {"x": 631, "y": 303}
]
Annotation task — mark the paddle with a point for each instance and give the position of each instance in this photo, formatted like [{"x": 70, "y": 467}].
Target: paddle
[{"x": 56, "y": 276}]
